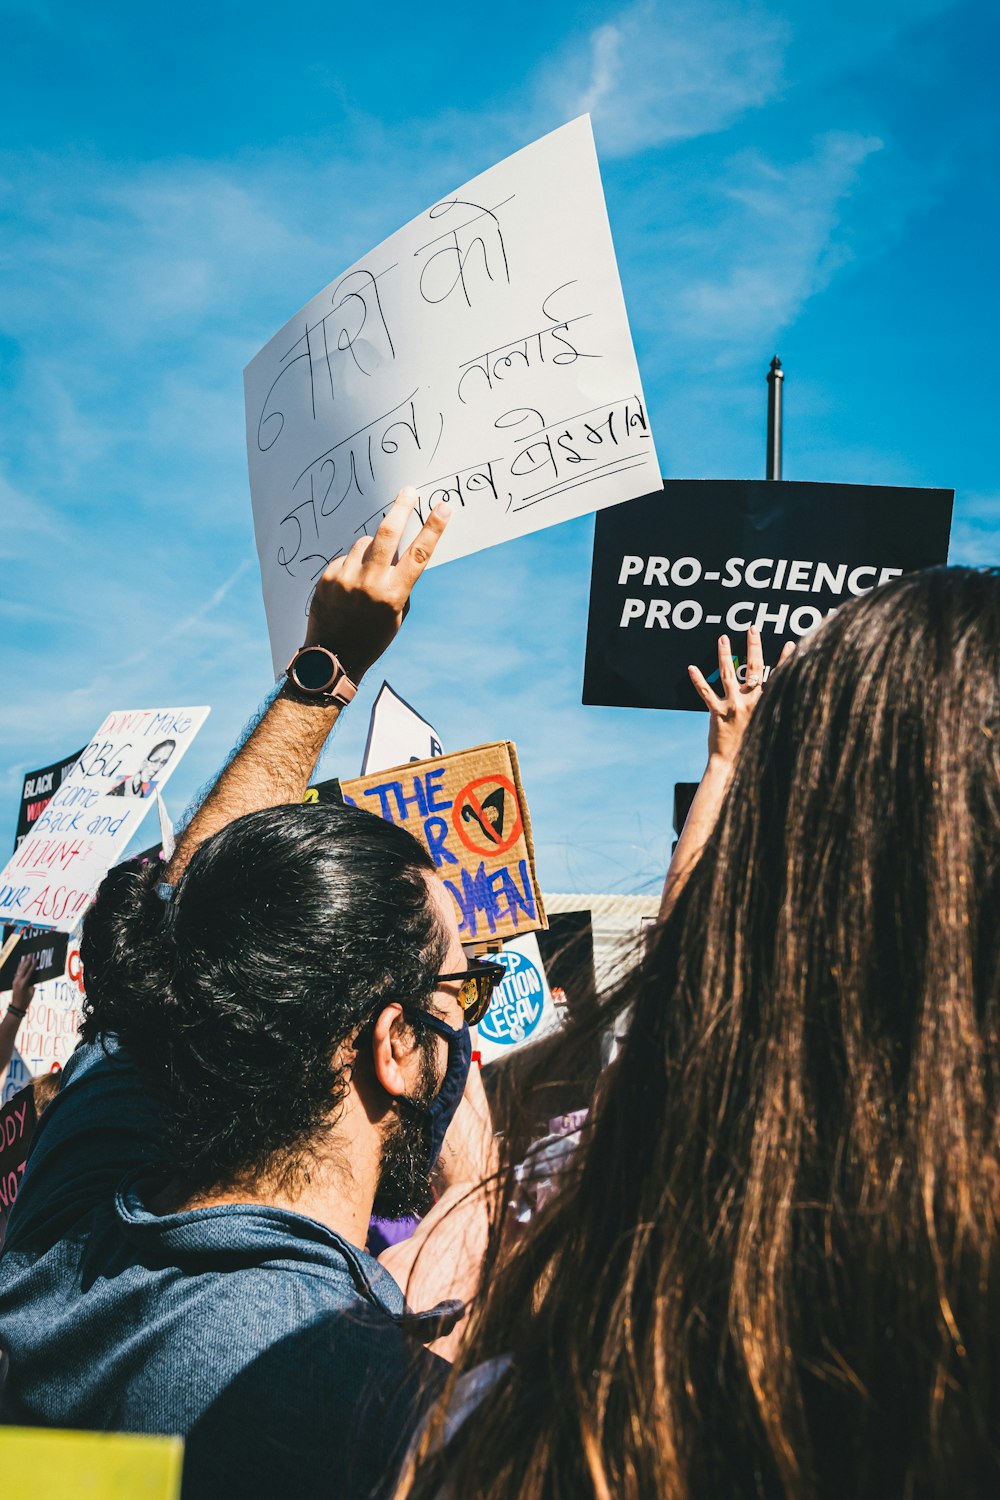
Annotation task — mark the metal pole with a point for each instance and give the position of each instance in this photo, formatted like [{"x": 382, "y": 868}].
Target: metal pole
[{"x": 775, "y": 382}]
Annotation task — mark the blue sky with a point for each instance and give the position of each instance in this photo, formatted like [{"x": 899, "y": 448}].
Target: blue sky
[{"x": 176, "y": 181}]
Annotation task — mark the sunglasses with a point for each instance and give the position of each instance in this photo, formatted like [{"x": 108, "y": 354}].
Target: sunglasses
[{"x": 478, "y": 984}]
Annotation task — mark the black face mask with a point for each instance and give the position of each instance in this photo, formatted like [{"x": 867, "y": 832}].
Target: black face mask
[
  {"x": 440, "y": 1111},
  {"x": 411, "y": 1150}
]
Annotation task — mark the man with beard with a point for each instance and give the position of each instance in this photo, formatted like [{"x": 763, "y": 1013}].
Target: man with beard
[{"x": 276, "y": 1041}]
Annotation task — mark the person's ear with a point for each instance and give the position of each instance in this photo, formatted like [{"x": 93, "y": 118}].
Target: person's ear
[{"x": 394, "y": 1051}]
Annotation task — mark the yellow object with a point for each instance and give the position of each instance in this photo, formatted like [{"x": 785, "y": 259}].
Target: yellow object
[
  {"x": 40, "y": 1464},
  {"x": 9, "y": 947}
]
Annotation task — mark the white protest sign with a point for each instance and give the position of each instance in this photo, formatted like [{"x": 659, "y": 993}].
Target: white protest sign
[
  {"x": 18, "y": 1077},
  {"x": 522, "y": 1009},
  {"x": 168, "y": 841},
  {"x": 481, "y": 354},
  {"x": 48, "y": 1034},
  {"x": 397, "y": 734},
  {"x": 76, "y": 839}
]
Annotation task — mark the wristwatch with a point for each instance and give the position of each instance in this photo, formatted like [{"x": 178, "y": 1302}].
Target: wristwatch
[{"x": 316, "y": 674}]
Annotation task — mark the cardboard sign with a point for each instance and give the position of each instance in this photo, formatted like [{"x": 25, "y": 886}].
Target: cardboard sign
[
  {"x": 482, "y": 354},
  {"x": 700, "y": 557},
  {"x": 45, "y": 1464},
  {"x": 52, "y": 878},
  {"x": 397, "y": 733},
  {"x": 324, "y": 791},
  {"x": 49, "y": 949},
  {"x": 17, "y": 1126},
  {"x": 521, "y": 1010},
  {"x": 468, "y": 809},
  {"x": 37, "y": 792}
]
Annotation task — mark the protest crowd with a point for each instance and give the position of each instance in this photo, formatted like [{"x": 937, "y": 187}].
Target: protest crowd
[
  {"x": 278, "y": 1211},
  {"x": 765, "y": 1262}
]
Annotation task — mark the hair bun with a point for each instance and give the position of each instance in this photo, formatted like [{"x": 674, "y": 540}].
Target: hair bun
[{"x": 124, "y": 952}]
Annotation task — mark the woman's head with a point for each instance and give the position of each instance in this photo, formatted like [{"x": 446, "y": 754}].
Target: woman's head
[
  {"x": 776, "y": 1267},
  {"x": 833, "y": 983},
  {"x": 875, "y": 753},
  {"x": 283, "y": 934}
]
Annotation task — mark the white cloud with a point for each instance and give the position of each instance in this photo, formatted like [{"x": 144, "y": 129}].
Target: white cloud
[
  {"x": 733, "y": 257},
  {"x": 154, "y": 246},
  {"x": 197, "y": 617},
  {"x": 139, "y": 290},
  {"x": 661, "y": 73},
  {"x": 772, "y": 242},
  {"x": 28, "y": 529}
]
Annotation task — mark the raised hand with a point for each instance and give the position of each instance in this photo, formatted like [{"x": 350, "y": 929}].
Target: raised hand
[
  {"x": 22, "y": 990},
  {"x": 730, "y": 714},
  {"x": 358, "y": 606},
  {"x": 361, "y": 599},
  {"x": 728, "y": 718}
]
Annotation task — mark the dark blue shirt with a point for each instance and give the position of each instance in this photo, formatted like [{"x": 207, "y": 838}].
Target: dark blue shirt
[{"x": 271, "y": 1344}]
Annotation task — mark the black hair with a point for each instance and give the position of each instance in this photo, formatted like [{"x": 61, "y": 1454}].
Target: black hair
[
  {"x": 232, "y": 997},
  {"x": 773, "y": 1267}
]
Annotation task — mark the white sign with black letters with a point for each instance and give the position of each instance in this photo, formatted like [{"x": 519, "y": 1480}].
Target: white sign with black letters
[{"x": 481, "y": 354}]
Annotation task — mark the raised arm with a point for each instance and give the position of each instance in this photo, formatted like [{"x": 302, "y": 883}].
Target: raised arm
[
  {"x": 21, "y": 992},
  {"x": 728, "y": 718},
  {"x": 358, "y": 606}
]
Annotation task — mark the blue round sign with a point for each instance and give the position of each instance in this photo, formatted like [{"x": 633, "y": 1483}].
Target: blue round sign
[{"x": 518, "y": 1002}]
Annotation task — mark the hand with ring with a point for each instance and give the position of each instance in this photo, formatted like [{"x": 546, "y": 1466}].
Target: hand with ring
[{"x": 730, "y": 714}]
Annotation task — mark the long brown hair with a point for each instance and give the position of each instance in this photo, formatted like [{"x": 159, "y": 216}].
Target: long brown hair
[{"x": 774, "y": 1269}]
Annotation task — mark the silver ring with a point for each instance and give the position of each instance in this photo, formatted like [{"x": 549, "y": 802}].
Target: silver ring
[{"x": 753, "y": 682}]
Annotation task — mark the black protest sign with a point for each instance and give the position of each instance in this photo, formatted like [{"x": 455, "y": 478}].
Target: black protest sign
[
  {"x": 17, "y": 1126},
  {"x": 684, "y": 792},
  {"x": 567, "y": 950},
  {"x": 684, "y": 795},
  {"x": 676, "y": 569},
  {"x": 49, "y": 949},
  {"x": 324, "y": 791},
  {"x": 151, "y": 856},
  {"x": 37, "y": 792}
]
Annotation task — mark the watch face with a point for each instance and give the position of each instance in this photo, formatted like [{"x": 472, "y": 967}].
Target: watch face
[{"x": 314, "y": 671}]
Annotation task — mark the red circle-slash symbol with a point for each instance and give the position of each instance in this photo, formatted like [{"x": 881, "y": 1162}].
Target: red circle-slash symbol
[{"x": 479, "y": 832}]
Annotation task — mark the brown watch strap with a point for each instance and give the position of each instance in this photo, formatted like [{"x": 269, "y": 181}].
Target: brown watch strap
[{"x": 338, "y": 689}]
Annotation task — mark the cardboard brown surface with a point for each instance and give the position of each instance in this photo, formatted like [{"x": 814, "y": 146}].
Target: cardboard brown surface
[{"x": 469, "y": 810}]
